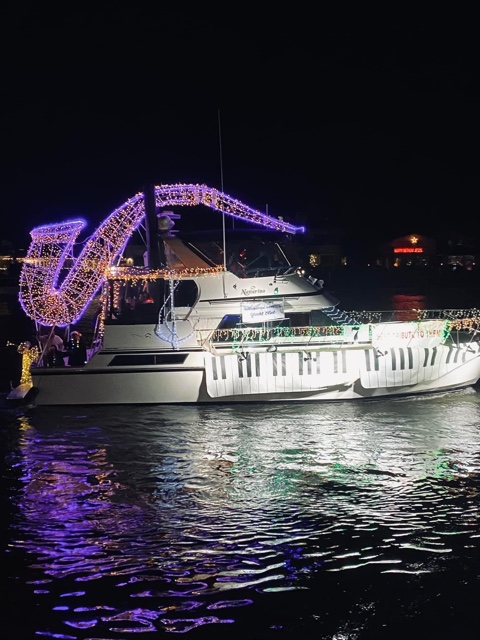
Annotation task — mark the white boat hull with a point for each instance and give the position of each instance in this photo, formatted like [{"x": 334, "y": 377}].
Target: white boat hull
[{"x": 325, "y": 374}]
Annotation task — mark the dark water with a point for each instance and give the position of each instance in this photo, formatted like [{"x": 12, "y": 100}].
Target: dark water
[
  {"x": 339, "y": 521},
  {"x": 351, "y": 521}
]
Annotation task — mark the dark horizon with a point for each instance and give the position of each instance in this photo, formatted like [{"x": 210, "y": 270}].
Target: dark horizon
[{"x": 366, "y": 121}]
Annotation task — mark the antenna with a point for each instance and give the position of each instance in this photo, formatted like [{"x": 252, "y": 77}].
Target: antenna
[
  {"x": 221, "y": 188},
  {"x": 220, "y": 149}
]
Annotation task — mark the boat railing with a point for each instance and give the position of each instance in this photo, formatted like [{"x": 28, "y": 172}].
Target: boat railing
[
  {"x": 240, "y": 338},
  {"x": 460, "y": 320}
]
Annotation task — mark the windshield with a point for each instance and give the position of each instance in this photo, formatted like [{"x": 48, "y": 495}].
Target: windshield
[{"x": 249, "y": 257}]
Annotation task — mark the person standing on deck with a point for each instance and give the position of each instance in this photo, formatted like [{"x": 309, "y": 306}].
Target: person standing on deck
[{"x": 76, "y": 349}]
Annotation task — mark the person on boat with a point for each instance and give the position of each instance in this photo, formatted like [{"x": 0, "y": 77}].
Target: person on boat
[
  {"x": 127, "y": 311},
  {"x": 145, "y": 298},
  {"x": 76, "y": 350},
  {"x": 53, "y": 349},
  {"x": 52, "y": 339},
  {"x": 55, "y": 356},
  {"x": 236, "y": 263},
  {"x": 145, "y": 309}
]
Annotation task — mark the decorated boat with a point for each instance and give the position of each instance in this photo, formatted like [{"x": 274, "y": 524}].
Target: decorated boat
[{"x": 229, "y": 316}]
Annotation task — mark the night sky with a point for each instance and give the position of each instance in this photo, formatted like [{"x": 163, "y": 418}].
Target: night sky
[{"x": 352, "y": 118}]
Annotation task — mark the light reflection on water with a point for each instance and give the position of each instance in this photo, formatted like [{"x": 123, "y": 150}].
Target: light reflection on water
[{"x": 177, "y": 519}]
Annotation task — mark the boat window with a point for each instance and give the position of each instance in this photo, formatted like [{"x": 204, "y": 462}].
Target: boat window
[
  {"x": 235, "y": 322},
  {"x": 257, "y": 258},
  {"x": 141, "y": 302},
  {"x": 186, "y": 293},
  {"x": 249, "y": 255},
  {"x": 230, "y": 322},
  {"x": 320, "y": 319},
  {"x": 298, "y": 319},
  {"x": 210, "y": 251}
]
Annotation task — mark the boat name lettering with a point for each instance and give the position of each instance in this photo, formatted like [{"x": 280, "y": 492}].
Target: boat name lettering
[{"x": 252, "y": 291}]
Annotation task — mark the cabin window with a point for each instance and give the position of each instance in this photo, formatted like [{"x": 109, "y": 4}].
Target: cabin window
[
  {"x": 230, "y": 322},
  {"x": 186, "y": 293},
  {"x": 298, "y": 319},
  {"x": 256, "y": 258},
  {"x": 140, "y": 302}
]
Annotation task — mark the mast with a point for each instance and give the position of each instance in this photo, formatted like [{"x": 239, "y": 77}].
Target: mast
[
  {"x": 155, "y": 249},
  {"x": 155, "y": 253},
  {"x": 221, "y": 189}
]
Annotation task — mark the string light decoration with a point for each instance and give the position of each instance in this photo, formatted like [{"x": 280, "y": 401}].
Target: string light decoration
[
  {"x": 139, "y": 275},
  {"x": 467, "y": 320},
  {"x": 262, "y": 334},
  {"x": 53, "y": 303},
  {"x": 29, "y": 356}
]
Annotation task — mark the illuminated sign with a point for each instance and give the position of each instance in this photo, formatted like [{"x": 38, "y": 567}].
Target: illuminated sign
[{"x": 408, "y": 250}]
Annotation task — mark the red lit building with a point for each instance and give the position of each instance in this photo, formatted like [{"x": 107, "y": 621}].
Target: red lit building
[{"x": 413, "y": 250}]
